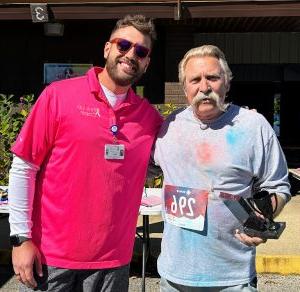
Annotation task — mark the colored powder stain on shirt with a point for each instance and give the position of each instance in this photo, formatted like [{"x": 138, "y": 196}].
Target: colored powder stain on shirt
[
  {"x": 234, "y": 136},
  {"x": 205, "y": 153}
]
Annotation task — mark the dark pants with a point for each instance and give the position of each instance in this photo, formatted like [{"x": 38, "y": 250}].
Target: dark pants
[
  {"x": 167, "y": 286},
  {"x": 56, "y": 280}
]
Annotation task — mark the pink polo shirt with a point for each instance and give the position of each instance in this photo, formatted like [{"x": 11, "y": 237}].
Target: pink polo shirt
[{"x": 85, "y": 207}]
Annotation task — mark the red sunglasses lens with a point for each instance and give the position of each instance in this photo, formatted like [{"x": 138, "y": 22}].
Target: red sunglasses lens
[
  {"x": 124, "y": 45},
  {"x": 141, "y": 51}
]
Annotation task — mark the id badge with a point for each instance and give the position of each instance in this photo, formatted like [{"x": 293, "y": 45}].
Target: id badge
[
  {"x": 185, "y": 207},
  {"x": 114, "y": 151}
]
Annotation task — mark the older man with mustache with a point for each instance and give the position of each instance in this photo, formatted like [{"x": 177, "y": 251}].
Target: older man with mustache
[{"x": 206, "y": 150}]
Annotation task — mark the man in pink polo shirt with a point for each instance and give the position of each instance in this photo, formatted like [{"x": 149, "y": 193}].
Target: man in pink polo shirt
[{"x": 79, "y": 169}]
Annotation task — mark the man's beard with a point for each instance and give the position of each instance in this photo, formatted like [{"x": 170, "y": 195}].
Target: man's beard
[
  {"x": 199, "y": 98},
  {"x": 125, "y": 79}
]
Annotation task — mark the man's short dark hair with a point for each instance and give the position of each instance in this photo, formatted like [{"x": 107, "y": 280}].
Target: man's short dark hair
[{"x": 139, "y": 22}]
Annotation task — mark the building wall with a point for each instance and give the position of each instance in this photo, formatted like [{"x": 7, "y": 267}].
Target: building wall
[
  {"x": 255, "y": 47},
  {"x": 263, "y": 64},
  {"x": 25, "y": 49}
]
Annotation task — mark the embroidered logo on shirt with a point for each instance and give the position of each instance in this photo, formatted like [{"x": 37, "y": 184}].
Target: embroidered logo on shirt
[{"x": 89, "y": 111}]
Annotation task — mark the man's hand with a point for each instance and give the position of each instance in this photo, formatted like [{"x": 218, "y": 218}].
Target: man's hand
[
  {"x": 248, "y": 240},
  {"x": 25, "y": 257}
]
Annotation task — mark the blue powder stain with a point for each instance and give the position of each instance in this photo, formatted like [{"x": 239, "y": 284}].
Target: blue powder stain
[{"x": 233, "y": 136}]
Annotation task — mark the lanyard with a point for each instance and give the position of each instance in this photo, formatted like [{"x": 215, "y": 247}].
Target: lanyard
[
  {"x": 113, "y": 125},
  {"x": 114, "y": 130}
]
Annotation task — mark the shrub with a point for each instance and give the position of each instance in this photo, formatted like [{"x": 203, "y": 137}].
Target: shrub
[
  {"x": 12, "y": 117},
  {"x": 167, "y": 108}
]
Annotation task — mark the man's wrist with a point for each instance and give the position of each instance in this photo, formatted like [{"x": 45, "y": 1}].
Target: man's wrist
[{"x": 17, "y": 240}]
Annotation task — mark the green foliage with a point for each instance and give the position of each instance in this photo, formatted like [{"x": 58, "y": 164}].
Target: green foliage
[
  {"x": 167, "y": 108},
  {"x": 156, "y": 182},
  {"x": 12, "y": 117}
]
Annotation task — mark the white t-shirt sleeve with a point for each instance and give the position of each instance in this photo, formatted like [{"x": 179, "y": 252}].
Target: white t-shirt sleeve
[{"x": 21, "y": 189}]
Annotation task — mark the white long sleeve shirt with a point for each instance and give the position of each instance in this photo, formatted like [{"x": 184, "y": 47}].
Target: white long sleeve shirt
[{"x": 20, "y": 194}]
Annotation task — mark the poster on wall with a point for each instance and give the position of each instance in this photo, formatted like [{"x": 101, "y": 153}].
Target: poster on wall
[{"x": 59, "y": 71}]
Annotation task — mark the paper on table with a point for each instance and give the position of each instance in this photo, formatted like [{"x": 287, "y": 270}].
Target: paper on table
[{"x": 151, "y": 201}]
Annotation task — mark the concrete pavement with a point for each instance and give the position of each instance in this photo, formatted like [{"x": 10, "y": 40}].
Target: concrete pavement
[{"x": 283, "y": 255}]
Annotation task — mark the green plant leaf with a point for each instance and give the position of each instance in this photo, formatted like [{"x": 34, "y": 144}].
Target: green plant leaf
[
  {"x": 12, "y": 117},
  {"x": 24, "y": 113}
]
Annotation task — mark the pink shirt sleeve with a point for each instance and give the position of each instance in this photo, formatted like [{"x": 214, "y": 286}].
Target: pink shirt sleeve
[{"x": 38, "y": 133}]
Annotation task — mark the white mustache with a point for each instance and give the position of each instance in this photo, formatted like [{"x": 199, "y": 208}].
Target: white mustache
[{"x": 212, "y": 96}]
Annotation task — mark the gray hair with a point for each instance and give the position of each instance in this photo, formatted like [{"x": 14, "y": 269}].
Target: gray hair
[
  {"x": 139, "y": 22},
  {"x": 203, "y": 51}
]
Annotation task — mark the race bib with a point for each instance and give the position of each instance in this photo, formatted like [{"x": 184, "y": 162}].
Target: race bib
[{"x": 185, "y": 207}]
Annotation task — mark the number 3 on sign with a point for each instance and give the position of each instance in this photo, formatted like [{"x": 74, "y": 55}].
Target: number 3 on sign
[
  {"x": 39, "y": 12},
  {"x": 182, "y": 204}
]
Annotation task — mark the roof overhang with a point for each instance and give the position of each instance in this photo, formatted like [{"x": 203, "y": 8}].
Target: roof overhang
[{"x": 93, "y": 9}]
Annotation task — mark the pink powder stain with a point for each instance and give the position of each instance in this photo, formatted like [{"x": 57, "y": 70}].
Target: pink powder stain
[{"x": 205, "y": 153}]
